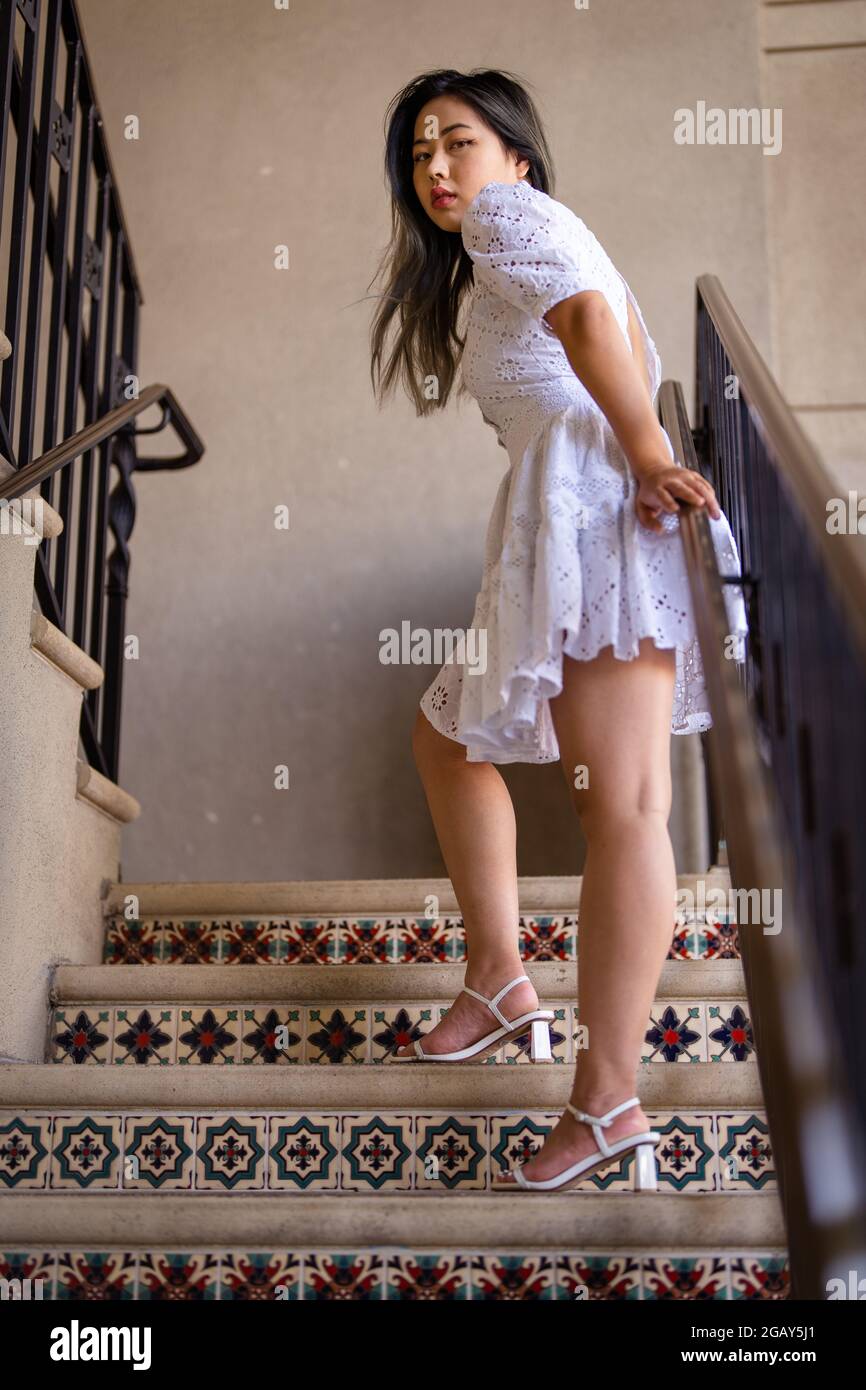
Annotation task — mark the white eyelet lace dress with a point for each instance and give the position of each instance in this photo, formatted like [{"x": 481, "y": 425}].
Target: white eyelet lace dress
[{"x": 568, "y": 568}]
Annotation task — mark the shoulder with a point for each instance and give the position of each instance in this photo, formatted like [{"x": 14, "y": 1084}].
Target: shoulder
[{"x": 515, "y": 214}]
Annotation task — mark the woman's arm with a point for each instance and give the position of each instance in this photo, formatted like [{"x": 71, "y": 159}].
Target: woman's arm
[
  {"x": 598, "y": 353},
  {"x": 593, "y": 342}
]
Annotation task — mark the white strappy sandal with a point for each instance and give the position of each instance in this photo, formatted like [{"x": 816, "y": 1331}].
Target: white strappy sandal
[
  {"x": 645, "y": 1175},
  {"x": 538, "y": 1020}
]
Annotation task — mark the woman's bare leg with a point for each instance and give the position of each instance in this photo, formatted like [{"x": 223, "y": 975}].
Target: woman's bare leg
[
  {"x": 474, "y": 821},
  {"x": 614, "y": 718}
]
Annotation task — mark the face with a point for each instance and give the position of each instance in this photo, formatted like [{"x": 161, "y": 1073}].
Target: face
[{"x": 457, "y": 153}]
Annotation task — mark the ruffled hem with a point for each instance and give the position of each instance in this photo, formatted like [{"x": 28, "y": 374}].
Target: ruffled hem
[{"x": 554, "y": 587}]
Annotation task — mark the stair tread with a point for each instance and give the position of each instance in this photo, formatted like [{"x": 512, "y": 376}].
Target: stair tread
[
  {"x": 692, "y": 1086},
  {"x": 554, "y": 980},
  {"x": 638, "y": 1221},
  {"x": 338, "y": 896}
]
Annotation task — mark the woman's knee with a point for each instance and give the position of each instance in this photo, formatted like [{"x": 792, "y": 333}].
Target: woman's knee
[{"x": 642, "y": 800}]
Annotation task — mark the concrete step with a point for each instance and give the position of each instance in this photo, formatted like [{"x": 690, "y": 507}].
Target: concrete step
[
  {"x": 349, "y": 897},
  {"x": 698, "y": 1086},
  {"x": 549, "y": 1221},
  {"x": 554, "y": 980}
]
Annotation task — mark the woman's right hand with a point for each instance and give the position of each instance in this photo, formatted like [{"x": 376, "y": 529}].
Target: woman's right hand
[{"x": 660, "y": 487}]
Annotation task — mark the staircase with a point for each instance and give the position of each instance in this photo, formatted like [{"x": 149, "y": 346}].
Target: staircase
[{"x": 199, "y": 1131}]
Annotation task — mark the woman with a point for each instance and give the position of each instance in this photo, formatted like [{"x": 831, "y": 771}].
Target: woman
[{"x": 592, "y": 655}]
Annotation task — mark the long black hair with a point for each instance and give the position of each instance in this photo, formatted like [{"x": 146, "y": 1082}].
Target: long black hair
[{"x": 425, "y": 270}]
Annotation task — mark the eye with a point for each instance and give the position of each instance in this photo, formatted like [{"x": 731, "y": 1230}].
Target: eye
[
  {"x": 419, "y": 156},
  {"x": 462, "y": 142}
]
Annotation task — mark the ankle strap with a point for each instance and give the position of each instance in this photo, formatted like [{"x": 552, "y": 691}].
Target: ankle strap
[
  {"x": 492, "y": 1003},
  {"x": 603, "y": 1120}
]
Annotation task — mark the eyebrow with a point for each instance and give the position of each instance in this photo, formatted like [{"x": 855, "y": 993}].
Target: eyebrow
[{"x": 458, "y": 125}]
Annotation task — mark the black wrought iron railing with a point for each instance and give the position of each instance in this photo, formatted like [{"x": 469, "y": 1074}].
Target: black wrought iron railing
[
  {"x": 787, "y": 755},
  {"x": 71, "y": 317},
  {"x": 806, "y": 659}
]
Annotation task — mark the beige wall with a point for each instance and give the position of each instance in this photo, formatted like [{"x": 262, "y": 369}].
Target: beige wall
[
  {"x": 259, "y": 647},
  {"x": 814, "y": 67}
]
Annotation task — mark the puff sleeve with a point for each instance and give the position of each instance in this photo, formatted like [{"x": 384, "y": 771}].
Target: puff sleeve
[
  {"x": 533, "y": 252},
  {"x": 529, "y": 249}
]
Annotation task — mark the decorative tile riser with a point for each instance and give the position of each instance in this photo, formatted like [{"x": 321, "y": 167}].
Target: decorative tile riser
[
  {"x": 398, "y": 1274},
  {"x": 378, "y": 940},
  {"x": 351, "y": 1151},
  {"x": 278, "y": 1033}
]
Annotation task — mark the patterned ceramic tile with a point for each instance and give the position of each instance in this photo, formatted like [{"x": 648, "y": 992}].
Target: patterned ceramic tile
[
  {"x": 451, "y": 1151},
  {"x": 337, "y": 1034},
  {"x": 177, "y": 1277},
  {"x": 29, "y": 1274},
  {"x": 423, "y": 941},
  {"x": 356, "y": 1151},
  {"x": 729, "y": 1032},
  {"x": 376, "y": 1151},
  {"x": 25, "y": 1144},
  {"x": 399, "y": 1274},
  {"x": 158, "y": 1153},
  {"x": 137, "y": 1034},
  {"x": 718, "y": 938},
  {"x": 685, "y": 936},
  {"x": 676, "y": 1278},
  {"x": 358, "y": 1277},
  {"x": 81, "y": 1036},
  {"x": 610, "y": 1278},
  {"x": 272, "y": 1033},
  {"x": 745, "y": 1155},
  {"x": 515, "y": 1137},
  {"x": 676, "y": 1032},
  {"x": 760, "y": 1277},
  {"x": 368, "y": 941},
  {"x": 98, "y": 1276},
  {"x": 396, "y": 1025},
  {"x": 143, "y": 1035},
  {"x": 209, "y": 1036},
  {"x": 86, "y": 1151},
  {"x": 304, "y": 1153},
  {"x": 189, "y": 942},
  {"x": 230, "y": 1153},
  {"x": 312, "y": 941},
  {"x": 252, "y": 942},
  {"x": 686, "y": 1154},
  {"x": 380, "y": 939},
  {"x": 133, "y": 942},
  {"x": 548, "y": 938},
  {"x": 524, "y": 1278},
  {"x": 260, "y": 1277},
  {"x": 441, "y": 1277}
]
